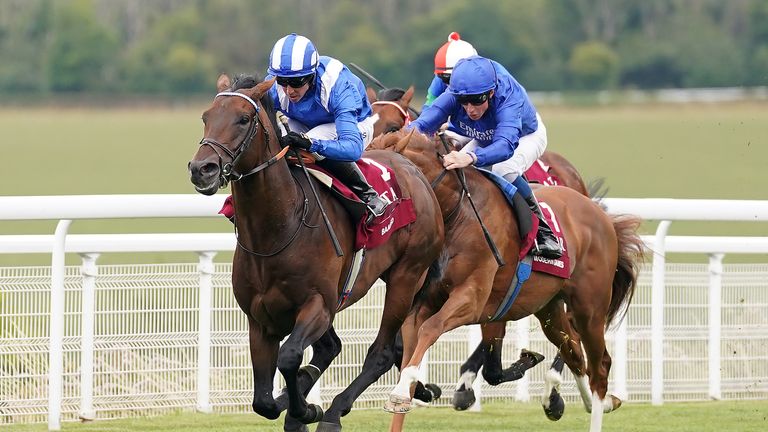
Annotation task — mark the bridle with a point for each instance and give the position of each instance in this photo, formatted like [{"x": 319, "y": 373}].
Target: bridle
[
  {"x": 404, "y": 113},
  {"x": 227, "y": 170},
  {"x": 228, "y": 173}
]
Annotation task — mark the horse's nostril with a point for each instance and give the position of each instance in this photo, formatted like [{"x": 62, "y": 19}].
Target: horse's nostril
[
  {"x": 209, "y": 168},
  {"x": 203, "y": 169}
]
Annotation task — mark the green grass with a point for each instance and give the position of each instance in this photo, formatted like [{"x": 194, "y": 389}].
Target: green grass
[
  {"x": 679, "y": 151},
  {"x": 743, "y": 416}
]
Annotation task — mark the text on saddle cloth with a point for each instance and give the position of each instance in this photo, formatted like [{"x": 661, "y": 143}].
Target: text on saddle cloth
[{"x": 560, "y": 267}]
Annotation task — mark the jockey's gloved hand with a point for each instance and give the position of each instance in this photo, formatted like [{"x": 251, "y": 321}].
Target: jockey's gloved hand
[{"x": 296, "y": 140}]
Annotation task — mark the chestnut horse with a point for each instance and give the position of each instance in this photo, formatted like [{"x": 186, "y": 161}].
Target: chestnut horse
[
  {"x": 286, "y": 275},
  {"x": 603, "y": 251},
  {"x": 393, "y": 109}
]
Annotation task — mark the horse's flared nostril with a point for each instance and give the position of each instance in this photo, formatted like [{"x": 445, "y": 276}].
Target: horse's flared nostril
[{"x": 201, "y": 169}]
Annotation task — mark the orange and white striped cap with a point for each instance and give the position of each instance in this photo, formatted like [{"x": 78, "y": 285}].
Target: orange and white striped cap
[{"x": 451, "y": 52}]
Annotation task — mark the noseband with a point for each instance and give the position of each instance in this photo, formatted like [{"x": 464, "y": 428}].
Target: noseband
[{"x": 227, "y": 170}]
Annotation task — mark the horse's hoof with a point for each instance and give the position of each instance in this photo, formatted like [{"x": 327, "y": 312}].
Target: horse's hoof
[
  {"x": 535, "y": 357},
  {"x": 294, "y": 427},
  {"x": 556, "y": 406},
  {"x": 463, "y": 399},
  {"x": 328, "y": 427},
  {"x": 398, "y": 404},
  {"x": 427, "y": 392},
  {"x": 282, "y": 400},
  {"x": 313, "y": 415},
  {"x": 435, "y": 390},
  {"x": 312, "y": 371},
  {"x": 616, "y": 402}
]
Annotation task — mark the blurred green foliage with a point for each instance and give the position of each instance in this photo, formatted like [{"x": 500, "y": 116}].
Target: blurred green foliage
[{"x": 171, "y": 46}]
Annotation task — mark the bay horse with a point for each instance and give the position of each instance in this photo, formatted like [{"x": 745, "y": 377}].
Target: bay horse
[
  {"x": 604, "y": 252},
  {"x": 392, "y": 106},
  {"x": 286, "y": 275}
]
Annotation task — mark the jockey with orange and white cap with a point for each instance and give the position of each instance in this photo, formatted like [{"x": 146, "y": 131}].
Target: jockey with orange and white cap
[{"x": 445, "y": 59}]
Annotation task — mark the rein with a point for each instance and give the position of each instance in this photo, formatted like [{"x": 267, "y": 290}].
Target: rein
[
  {"x": 304, "y": 213},
  {"x": 228, "y": 172},
  {"x": 463, "y": 182}
]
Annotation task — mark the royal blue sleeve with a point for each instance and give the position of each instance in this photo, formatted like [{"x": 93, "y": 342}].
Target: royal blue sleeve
[
  {"x": 506, "y": 134},
  {"x": 436, "y": 114},
  {"x": 349, "y": 145},
  {"x": 273, "y": 95}
]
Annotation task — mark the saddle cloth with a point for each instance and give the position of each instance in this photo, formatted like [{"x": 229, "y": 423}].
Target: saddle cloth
[
  {"x": 557, "y": 267},
  {"x": 399, "y": 213},
  {"x": 539, "y": 173}
]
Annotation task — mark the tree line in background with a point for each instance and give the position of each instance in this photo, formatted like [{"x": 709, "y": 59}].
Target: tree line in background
[{"x": 180, "y": 46}]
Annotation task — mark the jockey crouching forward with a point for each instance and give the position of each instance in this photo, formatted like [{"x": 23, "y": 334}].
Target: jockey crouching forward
[
  {"x": 492, "y": 113},
  {"x": 328, "y": 112}
]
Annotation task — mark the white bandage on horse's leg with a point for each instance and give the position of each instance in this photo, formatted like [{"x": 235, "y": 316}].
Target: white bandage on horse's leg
[
  {"x": 596, "y": 419},
  {"x": 408, "y": 376},
  {"x": 582, "y": 382},
  {"x": 552, "y": 380},
  {"x": 466, "y": 379}
]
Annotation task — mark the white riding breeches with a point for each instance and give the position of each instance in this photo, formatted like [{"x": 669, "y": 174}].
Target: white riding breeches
[{"x": 529, "y": 148}]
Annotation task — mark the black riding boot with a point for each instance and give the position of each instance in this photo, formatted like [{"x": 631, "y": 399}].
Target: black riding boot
[
  {"x": 547, "y": 244},
  {"x": 350, "y": 175}
]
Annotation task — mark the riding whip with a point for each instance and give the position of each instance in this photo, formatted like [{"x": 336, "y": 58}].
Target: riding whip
[
  {"x": 381, "y": 86},
  {"x": 284, "y": 120}
]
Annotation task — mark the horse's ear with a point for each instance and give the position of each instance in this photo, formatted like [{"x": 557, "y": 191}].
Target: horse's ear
[
  {"x": 259, "y": 89},
  {"x": 371, "y": 93},
  {"x": 223, "y": 82},
  {"x": 403, "y": 142},
  {"x": 408, "y": 96}
]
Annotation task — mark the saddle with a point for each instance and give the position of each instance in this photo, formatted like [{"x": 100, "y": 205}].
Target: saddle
[{"x": 399, "y": 213}]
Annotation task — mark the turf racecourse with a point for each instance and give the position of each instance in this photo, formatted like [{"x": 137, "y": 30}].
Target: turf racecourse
[{"x": 742, "y": 416}]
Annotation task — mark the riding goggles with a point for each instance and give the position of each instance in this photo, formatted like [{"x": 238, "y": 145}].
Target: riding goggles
[
  {"x": 473, "y": 99},
  {"x": 294, "y": 82},
  {"x": 445, "y": 77}
]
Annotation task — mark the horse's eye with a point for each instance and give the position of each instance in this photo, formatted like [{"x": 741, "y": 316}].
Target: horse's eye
[{"x": 244, "y": 120}]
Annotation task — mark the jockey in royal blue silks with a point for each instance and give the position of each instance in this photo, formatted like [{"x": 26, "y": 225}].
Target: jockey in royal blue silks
[
  {"x": 491, "y": 112},
  {"x": 328, "y": 111}
]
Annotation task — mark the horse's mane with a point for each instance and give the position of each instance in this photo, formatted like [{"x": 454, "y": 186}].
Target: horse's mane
[
  {"x": 418, "y": 141},
  {"x": 391, "y": 94},
  {"x": 244, "y": 81}
]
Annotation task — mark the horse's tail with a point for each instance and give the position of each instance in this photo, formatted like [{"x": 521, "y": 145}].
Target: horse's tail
[{"x": 631, "y": 253}]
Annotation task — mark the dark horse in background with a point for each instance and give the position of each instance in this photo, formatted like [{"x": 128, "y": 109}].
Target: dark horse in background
[
  {"x": 603, "y": 250},
  {"x": 286, "y": 275},
  {"x": 393, "y": 109}
]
